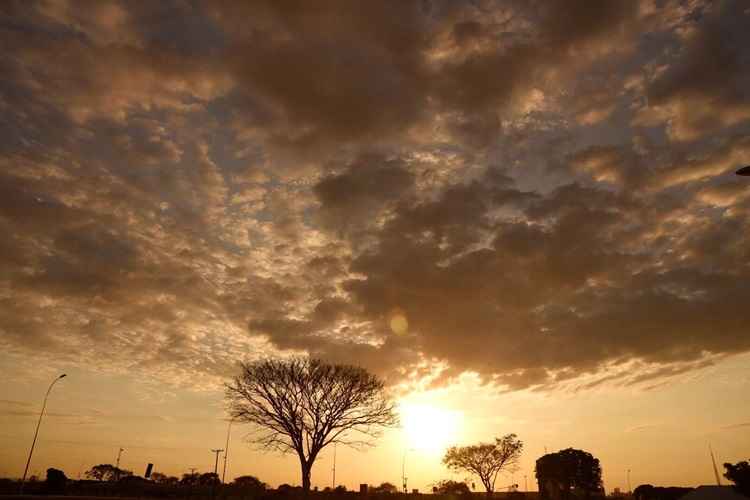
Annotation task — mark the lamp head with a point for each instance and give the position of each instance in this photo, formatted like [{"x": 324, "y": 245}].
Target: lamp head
[
  {"x": 62, "y": 376},
  {"x": 744, "y": 171}
]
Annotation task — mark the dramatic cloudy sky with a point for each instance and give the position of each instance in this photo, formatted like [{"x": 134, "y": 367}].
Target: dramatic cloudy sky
[{"x": 529, "y": 202}]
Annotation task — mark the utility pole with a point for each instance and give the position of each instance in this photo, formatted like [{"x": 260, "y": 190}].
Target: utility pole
[
  {"x": 629, "y": 490},
  {"x": 226, "y": 451},
  {"x": 216, "y": 463},
  {"x": 713, "y": 461},
  {"x": 525, "y": 484},
  {"x": 333, "y": 482},
  {"x": 36, "y": 432}
]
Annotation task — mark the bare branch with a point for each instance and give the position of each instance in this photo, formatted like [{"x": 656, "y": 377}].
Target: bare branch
[{"x": 301, "y": 406}]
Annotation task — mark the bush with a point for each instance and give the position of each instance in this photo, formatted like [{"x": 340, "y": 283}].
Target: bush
[{"x": 56, "y": 482}]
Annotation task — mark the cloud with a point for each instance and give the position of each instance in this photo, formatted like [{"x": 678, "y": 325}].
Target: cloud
[
  {"x": 539, "y": 190},
  {"x": 642, "y": 427},
  {"x": 737, "y": 426},
  {"x": 704, "y": 87}
]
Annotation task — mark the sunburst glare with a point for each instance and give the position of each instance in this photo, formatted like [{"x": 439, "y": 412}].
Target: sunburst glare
[{"x": 429, "y": 429}]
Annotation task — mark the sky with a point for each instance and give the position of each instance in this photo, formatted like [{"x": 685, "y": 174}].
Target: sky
[{"x": 522, "y": 215}]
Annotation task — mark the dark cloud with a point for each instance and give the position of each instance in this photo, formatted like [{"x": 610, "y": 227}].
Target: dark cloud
[
  {"x": 705, "y": 86},
  {"x": 540, "y": 193}
]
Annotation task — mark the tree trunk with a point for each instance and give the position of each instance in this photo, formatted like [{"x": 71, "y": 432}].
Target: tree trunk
[
  {"x": 305, "y": 477},
  {"x": 488, "y": 488}
]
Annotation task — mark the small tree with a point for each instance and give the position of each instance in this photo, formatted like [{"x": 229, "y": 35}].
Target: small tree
[
  {"x": 301, "y": 406},
  {"x": 385, "y": 488},
  {"x": 643, "y": 492},
  {"x": 739, "y": 474},
  {"x": 649, "y": 492},
  {"x": 161, "y": 478},
  {"x": 107, "y": 472},
  {"x": 158, "y": 477},
  {"x": 249, "y": 482},
  {"x": 190, "y": 478},
  {"x": 209, "y": 479},
  {"x": 450, "y": 487},
  {"x": 56, "y": 482},
  {"x": 486, "y": 460}
]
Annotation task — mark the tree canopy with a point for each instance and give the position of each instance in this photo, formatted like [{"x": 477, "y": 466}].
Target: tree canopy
[
  {"x": 249, "y": 482},
  {"x": 56, "y": 482},
  {"x": 486, "y": 460},
  {"x": 739, "y": 474},
  {"x": 450, "y": 487},
  {"x": 190, "y": 478},
  {"x": 385, "y": 488},
  {"x": 650, "y": 492},
  {"x": 107, "y": 472},
  {"x": 161, "y": 478},
  {"x": 568, "y": 470},
  {"x": 302, "y": 405}
]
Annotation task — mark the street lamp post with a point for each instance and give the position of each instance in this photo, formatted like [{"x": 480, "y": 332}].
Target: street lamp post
[
  {"x": 36, "y": 433},
  {"x": 403, "y": 471}
]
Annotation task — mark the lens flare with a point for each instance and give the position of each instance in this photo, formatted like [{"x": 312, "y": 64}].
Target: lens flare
[{"x": 398, "y": 322}]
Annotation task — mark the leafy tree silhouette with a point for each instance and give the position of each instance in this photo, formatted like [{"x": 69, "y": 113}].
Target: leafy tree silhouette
[
  {"x": 450, "y": 487},
  {"x": 107, "y": 472},
  {"x": 486, "y": 460},
  {"x": 385, "y": 488},
  {"x": 739, "y": 474},
  {"x": 569, "y": 470},
  {"x": 300, "y": 406},
  {"x": 249, "y": 483},
  {"x": 56, "y": 482}
]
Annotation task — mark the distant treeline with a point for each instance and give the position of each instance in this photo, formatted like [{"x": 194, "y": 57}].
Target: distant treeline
[
  {"x": 649, "y": 492},
  {"x": 190, "y": 487}
]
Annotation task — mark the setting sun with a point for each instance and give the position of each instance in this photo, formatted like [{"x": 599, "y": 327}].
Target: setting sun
[{"x": 429, "y": 429}]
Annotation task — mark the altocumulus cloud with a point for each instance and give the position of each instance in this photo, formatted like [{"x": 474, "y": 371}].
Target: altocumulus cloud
[{"x": 540, "y": 193}]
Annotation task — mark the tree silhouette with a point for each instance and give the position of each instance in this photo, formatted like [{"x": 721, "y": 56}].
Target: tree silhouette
[
  {"x": 649, "y": 492},
  {"x": 385, "y": 488},
  {"x": 250, "y": 483},
  {"x": 301, "y": 406},
  {"x": 486, "y": 460},
  {"x": 739, "y": 474},
  {"x": 161, "y": 478},
  {"x": 190, "y": 478},
  {"x": 56, "y": 482},
  {"x": 566, "y": 470},
  {"x": 450, "y": 487},
  {"x": 107, "y": 472},
  {"x": 209, "y": 479}
]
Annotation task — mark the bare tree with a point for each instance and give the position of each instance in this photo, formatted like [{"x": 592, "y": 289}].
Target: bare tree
[
  {"x": 301, "y": 406},
  {"x": 486, "y": 460}
]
